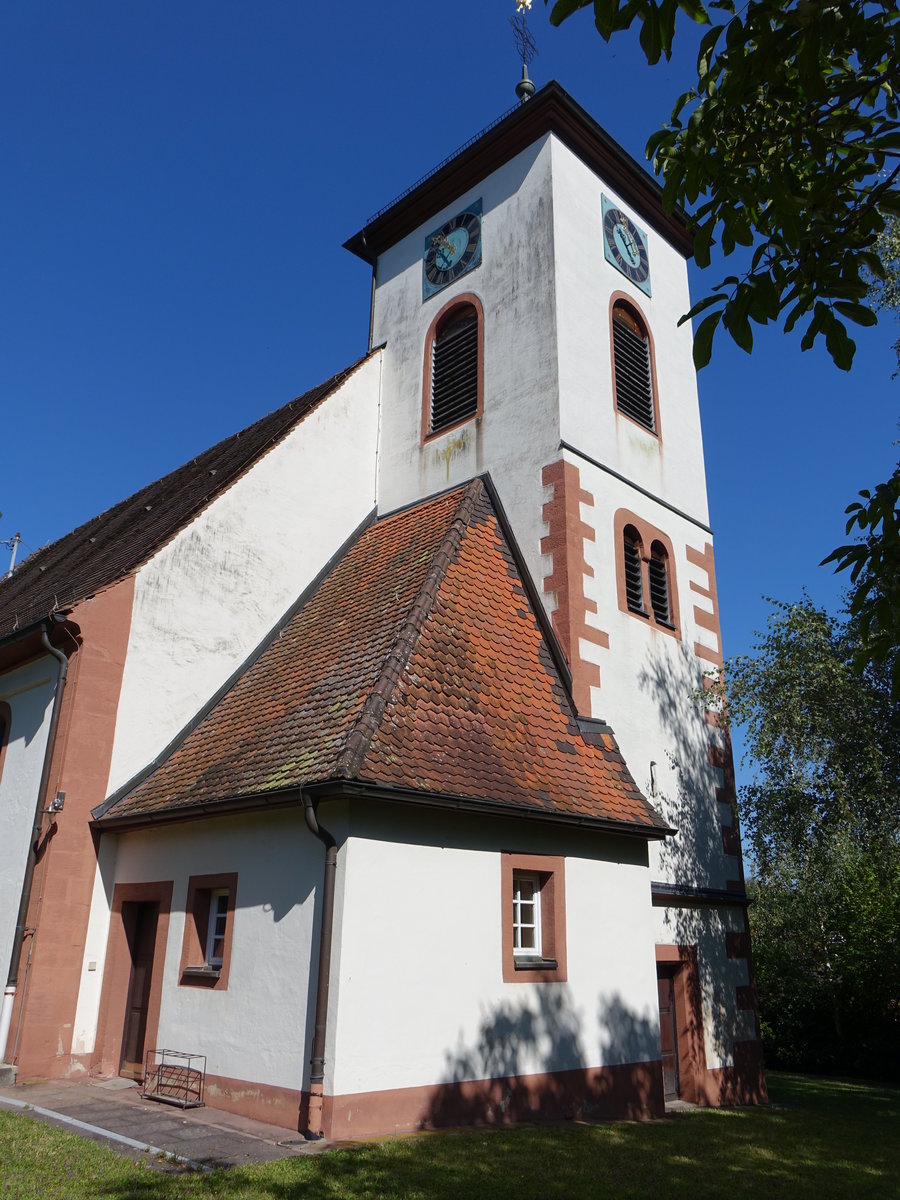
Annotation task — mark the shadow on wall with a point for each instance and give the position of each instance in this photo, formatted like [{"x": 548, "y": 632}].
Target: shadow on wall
[
  {"x": 529, "y": 1064},
  {"x": 702, "y": 854}
]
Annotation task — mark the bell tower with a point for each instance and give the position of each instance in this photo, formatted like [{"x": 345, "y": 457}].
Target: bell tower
[{"x": 528, "y": 293}]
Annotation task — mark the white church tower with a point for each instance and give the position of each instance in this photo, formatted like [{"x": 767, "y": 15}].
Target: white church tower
[{"x": 528, "y": 294}]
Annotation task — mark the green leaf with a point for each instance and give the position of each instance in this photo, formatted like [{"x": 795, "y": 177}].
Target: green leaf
[
  {"x": 605, "y": 16},
  {"x": 702, "y": 243},
  {"x": 840, "y": 346},
  {"x": 695, "y": 10},
  {"x": 856, "y": 312},
  {"x": 707, "y": 45},
  {"x": 703, "y": 339},
  {"x": 564, "y": 8},
  {"x": 701, "y": 306},
  {"x": 738, "y": 325},
  {"x": 651, "y": 38}
]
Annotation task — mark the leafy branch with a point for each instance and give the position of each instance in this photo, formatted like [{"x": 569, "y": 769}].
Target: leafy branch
[{"x": 783, "y": 146}]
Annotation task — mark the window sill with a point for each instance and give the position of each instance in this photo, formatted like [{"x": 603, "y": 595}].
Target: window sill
[
  {"x": 201, "y": 975},
  {"x": 535, "y": 964}
]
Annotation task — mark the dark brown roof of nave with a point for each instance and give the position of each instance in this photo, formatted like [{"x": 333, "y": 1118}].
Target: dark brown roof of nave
[
  {"x": 419, "y": 665},
  {"x": 119, "y": 540}
]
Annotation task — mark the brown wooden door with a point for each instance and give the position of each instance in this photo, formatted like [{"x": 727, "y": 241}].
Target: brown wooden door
[
  {"x": 668, "y": 1034},
  {"x": 140, "y": 920}
]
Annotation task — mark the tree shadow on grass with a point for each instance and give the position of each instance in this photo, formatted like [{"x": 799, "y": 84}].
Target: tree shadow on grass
[{"x": 804, "y": 1151}]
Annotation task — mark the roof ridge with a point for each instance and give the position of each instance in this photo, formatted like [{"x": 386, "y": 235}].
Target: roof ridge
[
  {"x": 326, "y": 387},
  {"x": 359, "y": 739}
]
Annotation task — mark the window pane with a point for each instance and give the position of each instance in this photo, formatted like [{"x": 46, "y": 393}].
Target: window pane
[
  {"x": 218, "y": 916},
  {"x": 526, "y": 914}
]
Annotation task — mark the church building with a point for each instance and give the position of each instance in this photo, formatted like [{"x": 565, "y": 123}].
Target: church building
[{"x": 362, "y": 756}]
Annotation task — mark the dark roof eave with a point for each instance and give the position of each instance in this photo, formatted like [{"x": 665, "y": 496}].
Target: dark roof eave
[
  {"x": 551, "y": 110},
  {"x": 338, "y": 788}
]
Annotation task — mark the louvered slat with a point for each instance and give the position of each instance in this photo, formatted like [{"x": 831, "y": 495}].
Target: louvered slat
[
  {"x": 634, "y": 588},
  {"x": 659, "y": 590},
  {"x": 454, "y": 373},
  {"x": 634, "y": 383}
]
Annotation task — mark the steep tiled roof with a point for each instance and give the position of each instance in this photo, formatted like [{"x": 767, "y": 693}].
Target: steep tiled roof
[
  {"x": 417, "y": 664},
  {"x": 107, "y": 547}
]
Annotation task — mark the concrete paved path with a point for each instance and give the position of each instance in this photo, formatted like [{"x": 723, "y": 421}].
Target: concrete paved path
[{"x": 118, "y": 1117}]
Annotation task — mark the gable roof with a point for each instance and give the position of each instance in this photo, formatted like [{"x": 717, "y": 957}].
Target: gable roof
[
  {"x": 418, "y": 665},
  {"x": 550, "y": 110},
  {"x": 119, "y": 540}
]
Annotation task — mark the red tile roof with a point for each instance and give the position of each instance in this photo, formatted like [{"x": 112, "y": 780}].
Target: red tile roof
[
  {"x": 118, "y": 541},
  {"x": 418, "y": 664}
]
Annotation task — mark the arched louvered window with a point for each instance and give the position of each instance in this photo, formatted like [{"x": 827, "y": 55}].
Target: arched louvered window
[
  {"x": 646, "y": 584},
  {"x": 634, "y": 582},
  {"x": 658, "y": 569},
  {"x": 632, "y": 366},
  {"x": 454, "y": 368}
]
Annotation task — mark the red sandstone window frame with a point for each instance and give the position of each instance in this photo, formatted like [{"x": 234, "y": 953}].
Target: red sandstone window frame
[
  {"x": 550, "y": 870},
  {"x": 443, "y": 317},
  {"x": 647, "y": 534},
  {"x": 5, "y": 726},
  {"x": 637, "y": 315},
  {"x": 194, "y": 970}
]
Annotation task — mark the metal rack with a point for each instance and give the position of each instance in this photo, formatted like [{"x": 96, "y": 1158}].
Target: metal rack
[{"x": 174, "y": 1077}]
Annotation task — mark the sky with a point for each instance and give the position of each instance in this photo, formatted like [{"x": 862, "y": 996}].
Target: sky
[{"x": 176, "y": 183}]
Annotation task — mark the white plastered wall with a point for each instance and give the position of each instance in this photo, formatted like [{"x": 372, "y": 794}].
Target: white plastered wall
[
  {"x": 257, "y": 1029},
  {"x": 417, "y": 996},
  {"x": 28, "y": 690},
  {"x": 650, "y": 682},
  {"x": 670, "y": 466},
  {"x": 519, "y": 430},
  {"x": 211, "y": 594},
  {"x": 649, "y": 693},
  {"x": 723, "y": 1022}
]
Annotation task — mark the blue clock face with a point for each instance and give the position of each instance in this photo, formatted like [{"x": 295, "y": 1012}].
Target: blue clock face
[
  {"x": 625, "y": 246},
  {"x": 452, "y": 250}
]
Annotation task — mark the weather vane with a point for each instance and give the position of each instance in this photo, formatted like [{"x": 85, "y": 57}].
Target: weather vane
[{"x": 526, "y": 46}]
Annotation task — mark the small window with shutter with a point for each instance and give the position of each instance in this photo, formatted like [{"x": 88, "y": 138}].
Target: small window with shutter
[
  {"x": 632, "y": 368},
  {"x": 658, "y": 569},
  {"x": 454, "y": 369},
  {"x": 646, "y": 584},
  {"x": 634, "y": 584}
]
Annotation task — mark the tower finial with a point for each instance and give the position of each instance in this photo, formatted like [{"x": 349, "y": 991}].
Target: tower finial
[{"x": 526, "y": 47}]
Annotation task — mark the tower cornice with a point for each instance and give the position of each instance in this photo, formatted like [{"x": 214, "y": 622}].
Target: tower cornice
[{"x": 552, "y": 110}]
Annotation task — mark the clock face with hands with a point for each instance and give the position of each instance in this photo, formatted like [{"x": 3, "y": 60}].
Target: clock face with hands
[
  {"x": 452, "y": 250},
  {"x": 625, "y": 246}
]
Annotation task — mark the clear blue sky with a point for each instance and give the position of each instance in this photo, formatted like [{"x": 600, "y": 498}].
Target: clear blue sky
[{"x": 177, "y": 182}]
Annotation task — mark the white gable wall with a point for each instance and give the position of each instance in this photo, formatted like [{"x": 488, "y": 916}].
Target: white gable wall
[
  {"x": 208, "y": 597},
  {"x": 28, "y": 690}
]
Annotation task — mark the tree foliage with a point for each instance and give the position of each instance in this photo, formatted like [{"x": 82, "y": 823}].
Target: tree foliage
[
  {"x": 785, "y": 146},
  {"x": 884, "y": 290},
  {"x": 874, "y": 564},
  {"x": 822, "y": 823}
]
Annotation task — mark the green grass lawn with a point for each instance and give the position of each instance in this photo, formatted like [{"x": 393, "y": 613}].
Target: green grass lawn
[{"x": 820, "y": 1139}]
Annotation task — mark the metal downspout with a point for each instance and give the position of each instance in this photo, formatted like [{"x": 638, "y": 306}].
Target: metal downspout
[
  {"x": 40, "y": 808},
  {"x": 315, "y": 1118}
]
